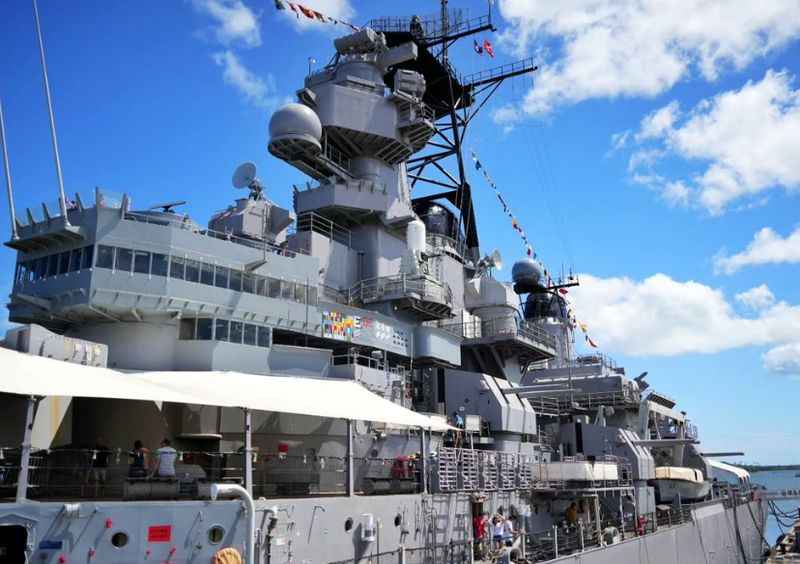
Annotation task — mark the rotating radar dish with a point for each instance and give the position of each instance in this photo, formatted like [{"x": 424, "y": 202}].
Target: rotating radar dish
[{"x": 244, "y": 175}]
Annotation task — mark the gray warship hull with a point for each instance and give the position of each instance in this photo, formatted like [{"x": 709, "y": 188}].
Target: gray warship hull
[{"x": 410, "y": 528}]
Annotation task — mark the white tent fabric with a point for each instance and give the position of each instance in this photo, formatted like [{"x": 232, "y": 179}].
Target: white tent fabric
[
  {"x": 740, "y": 473},
  {"x": 26, "y": 374}
]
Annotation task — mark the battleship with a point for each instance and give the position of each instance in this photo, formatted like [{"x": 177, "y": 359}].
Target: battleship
[{"x": 347, "y": 381}]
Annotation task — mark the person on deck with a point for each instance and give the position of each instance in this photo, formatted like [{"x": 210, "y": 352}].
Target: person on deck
[
  {"x": 571, "y": 514},
  {"x": 497, "y": 531},
  {"x": 139, "y": 460},
  {"x": 165, "y": 461}
]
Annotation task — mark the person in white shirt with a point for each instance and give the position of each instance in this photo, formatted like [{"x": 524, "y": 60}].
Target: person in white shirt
[
  {"x": 508, "y": 531},
  {"x": 497, "y": 531},
  {"x": 165, "y": 461}
]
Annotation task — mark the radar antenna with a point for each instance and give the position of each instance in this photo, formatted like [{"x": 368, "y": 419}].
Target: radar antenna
[
  {"x": 166, "y": 207},
  {"x": 494, "y": 260},
  {"x": 455, "y": 100},
  {"x": 245, "y": 177}
]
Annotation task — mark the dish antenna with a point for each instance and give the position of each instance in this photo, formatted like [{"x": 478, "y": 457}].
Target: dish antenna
[
  {"x": 245, "y": 177},
  {"x": 494, "y": 260}
]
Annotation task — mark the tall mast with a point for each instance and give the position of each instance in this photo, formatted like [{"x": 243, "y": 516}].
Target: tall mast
[
  {"x": 62, "y": 200},
  {"x": 9, "y": 188}
]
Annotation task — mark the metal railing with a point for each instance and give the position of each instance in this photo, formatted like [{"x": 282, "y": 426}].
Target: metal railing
[
  {"x": 593, "y": 400},
  {"x": 437, "y": 242},
  {"x": 493, "y": 73},
  {"x": 508, "y": 326},
  {"x": 110, "y": 473},
  {"x": 400, "y": 286},
  {"x": 190, "y": 226},
  {"x": 311, "y": 221},
  {"x": 459, "y": 469}
]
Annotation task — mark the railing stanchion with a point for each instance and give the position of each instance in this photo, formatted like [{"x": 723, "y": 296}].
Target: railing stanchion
[{"x": 25, "y": 455}]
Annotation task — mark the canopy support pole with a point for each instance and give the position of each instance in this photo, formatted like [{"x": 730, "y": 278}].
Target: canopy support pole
[
  {"x": 350, "y": 486},
  {"x": 25, "y": 458},
  {"x": 423, "y": 457},
  {"x": 248, "y": 452}
]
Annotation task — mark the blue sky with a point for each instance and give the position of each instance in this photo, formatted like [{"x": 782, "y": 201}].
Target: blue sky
[{"x": 649, "y": 153}]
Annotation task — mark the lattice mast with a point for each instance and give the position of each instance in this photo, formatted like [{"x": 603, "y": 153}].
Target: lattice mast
[{"x": 455, "y": 99}]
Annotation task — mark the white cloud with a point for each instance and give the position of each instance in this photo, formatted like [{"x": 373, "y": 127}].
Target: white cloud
[
  {"x": 340, "y": 10},
  {"x": 767, "y": 247},
  {"x": 234, "y": 22},
  {"x": 611, "y": 48},
  {"x": 783, "y": 360},
  {"x": 656, "y": 123},
  {"x": 676, "y": 193},
  {"x": 756, "y": 298},
  {"x": 664, "y": 317},
  {"x": 743, "y": 141},
  {"x": 256, "y": 90}
]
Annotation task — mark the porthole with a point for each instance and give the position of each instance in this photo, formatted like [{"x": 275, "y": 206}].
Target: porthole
[
  {"x": 216, "y": 534},
  {"x": 348, "y": 524},
  {"x": 119, "y": 539},
  {"x": 398, "y": 519}
]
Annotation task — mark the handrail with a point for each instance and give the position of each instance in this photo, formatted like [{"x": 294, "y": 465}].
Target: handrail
[
  {"x": 498, "y": 326},
  {"x": 400, "y": 285},
  {"x": 311, "y": 221},
  {"x": 260, "y": 245}
]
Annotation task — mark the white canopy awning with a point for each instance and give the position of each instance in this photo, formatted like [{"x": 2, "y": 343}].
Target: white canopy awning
[
  {"x": 720, "y": 468},
  {"x": 28, "y": 375}
]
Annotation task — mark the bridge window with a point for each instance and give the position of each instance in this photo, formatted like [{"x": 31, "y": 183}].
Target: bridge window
[
  {"x": 236, "y": 280},
  {"x": 220, "y": 276},
  {"x": 264, "y": 334},
  {"x": 221, "y": 329},
  {"x": 52, "y": 265},
  {"x": 105, "y": 256},
  {"x": 236, "y": 332},
  {"x": 186, "y": 329},
  {"x": 177, "y": 267},
  {"x": 248, "y": 284},
  {"x": 192, "y": 270},
  {"x": 250, "y": 334},
  {"x": 141, "y": 262},
  {"x": 124, "y": 260},
  {"x": 205, "y": 329},
  {"x": 63, "y": 262},
  {"x": 75, "y": 260},
  {"x": 160, "y": 265},
  {"x": 86, "y": 260},
  {"x": 207, "y": 274}
]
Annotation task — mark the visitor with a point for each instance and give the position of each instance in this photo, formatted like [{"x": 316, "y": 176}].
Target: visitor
[
  {"x": 139, "y": 460},
  {"x": 165, "y": 460}
]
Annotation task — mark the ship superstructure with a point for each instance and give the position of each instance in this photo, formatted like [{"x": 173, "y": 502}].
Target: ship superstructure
[{"x": 366, "y": 282}]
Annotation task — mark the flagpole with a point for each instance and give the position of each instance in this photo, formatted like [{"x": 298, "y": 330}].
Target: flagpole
[
  {"x": 62, "y": 200},
  {"x": 6, "y": 166}
]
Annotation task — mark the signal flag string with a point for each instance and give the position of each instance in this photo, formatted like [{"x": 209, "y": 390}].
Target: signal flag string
[
  {"x": 300, "y": 10},
  {"x": 573, "y": 320}
]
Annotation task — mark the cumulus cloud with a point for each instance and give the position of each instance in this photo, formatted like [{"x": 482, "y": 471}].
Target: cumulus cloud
[
  {"x": 234, "y": 23},
  {"x": 784, "y": 359},
  {"x": 743, "y": 143},
  {"x": 660, "y": 316},
  {"x": 756, "y": 298},
  {"x": 612, "y": 48},
  {"x": 657, "y": 123},
  {"x": 258, "y": 91},
  {"x": 767, "y": 247}
]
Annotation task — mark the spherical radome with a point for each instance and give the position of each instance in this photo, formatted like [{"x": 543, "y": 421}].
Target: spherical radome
[
  {"x": 294, "y": 120},
  {"x": 526, "y": 271}
]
